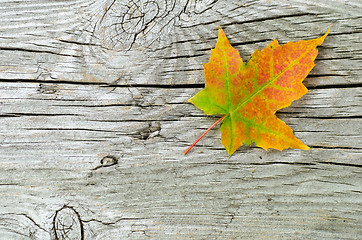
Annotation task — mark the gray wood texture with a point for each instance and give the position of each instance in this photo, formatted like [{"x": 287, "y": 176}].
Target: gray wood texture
[{"x": 94, "y": 121}]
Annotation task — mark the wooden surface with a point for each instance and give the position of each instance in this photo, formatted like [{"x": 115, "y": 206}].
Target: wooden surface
[{"x": 94, "y": 121}]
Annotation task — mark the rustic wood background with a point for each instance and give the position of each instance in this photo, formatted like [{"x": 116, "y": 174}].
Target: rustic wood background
[{"x": 94, "y": 121}]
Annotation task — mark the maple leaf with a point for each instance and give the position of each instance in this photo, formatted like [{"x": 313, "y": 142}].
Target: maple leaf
[{"x": 248, "y": 95}]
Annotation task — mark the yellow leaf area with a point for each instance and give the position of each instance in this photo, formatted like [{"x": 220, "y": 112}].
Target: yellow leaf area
[{"x": 248, "y": 95}]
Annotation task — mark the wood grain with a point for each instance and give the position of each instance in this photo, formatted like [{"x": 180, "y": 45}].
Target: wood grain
[{"x": 95, "y": 119}]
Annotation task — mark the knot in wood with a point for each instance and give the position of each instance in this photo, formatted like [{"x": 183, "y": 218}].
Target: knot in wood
[
  {"x": 108, "y": 161},
  {"x": 67, "y": 224},
  {"x": 138, "y": 24}
]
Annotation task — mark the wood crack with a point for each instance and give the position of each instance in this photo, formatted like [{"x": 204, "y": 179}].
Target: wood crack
[
  {"x": 351, "y": 85},
  {"x": 334, "y": 147},
  {"x": 317, "y": 117},
  {"x": 287, "y": 163},
  {"x": 256, "y": 20},
  {"x": 104, "y": 84},
  {"x": 70, "y": 129},
  {"x": 36, "y": 115},
  {"x": 181, "y": 56},
  {"x": 79, "y": 43},
  {"x": 341, "y": 164},
  {"x": 13, "y": 49}
]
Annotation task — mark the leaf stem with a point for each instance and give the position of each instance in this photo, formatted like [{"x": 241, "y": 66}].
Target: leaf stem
[{"x": 213, "y": 125}]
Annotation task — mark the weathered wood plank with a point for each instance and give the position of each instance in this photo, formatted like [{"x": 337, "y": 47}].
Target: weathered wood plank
[
  {"x": 95, "y": 115},
  {"x": 75, "y": 45},
  {"x": 95, "y": 121}
]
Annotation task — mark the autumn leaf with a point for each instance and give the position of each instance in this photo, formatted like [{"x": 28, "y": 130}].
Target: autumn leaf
[{"x": 248, "y": 95}]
